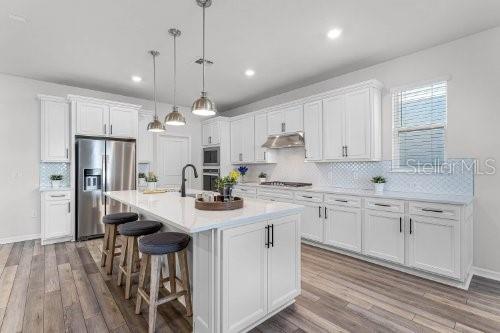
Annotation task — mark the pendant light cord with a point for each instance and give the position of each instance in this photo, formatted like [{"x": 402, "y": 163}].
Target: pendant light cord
[
  {"x": 204, "y": 6},
  {"x": 154, "y": 80},
  {"x": 175, "y": 68}
]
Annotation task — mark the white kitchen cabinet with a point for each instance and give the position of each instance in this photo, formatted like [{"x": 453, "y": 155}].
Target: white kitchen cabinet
[
  {"x": 55, "y": 129},
  {"x": 92, "y": 118},
  {"x": 312, "y": 221},
  {"x": 286, "y": 120},
  {"x": 123, "y": 122},
  {"x": 333, "y": 128},
  {"x": 210, "y": 133},
  {"x": 55, "y": 217},
  {"x": 384, "y": 236},
  {"x": 145, "y": 139},
  {"x": 434, "y": 245},
  {"x": 313, "y": 130},
  {"x": 261, "y": 154},
  {"x": 242, "y": 140},
  {"x": 343, "y": 227},
  {"x": 357, "y": 129}
]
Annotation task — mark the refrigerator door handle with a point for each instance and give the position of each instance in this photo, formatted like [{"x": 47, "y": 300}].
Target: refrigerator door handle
[{"x": 103, "y": 179}]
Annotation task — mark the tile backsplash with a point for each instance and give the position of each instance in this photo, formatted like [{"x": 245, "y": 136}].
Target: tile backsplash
[
  {"x": 48, "y": 169},
  {"x": 457, "y": 178}
]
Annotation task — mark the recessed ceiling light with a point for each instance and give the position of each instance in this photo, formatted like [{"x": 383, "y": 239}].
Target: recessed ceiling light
[
  {"x": 136, "y": 78},
  {"x": 17, "y": 18},
  {"x": 249, "y": 72},
  {"x": 334, "y": 33}
]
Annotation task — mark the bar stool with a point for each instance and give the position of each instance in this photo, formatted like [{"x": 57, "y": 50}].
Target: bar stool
[
  {"x": 129, "y": 252},
  {"x": 111, "y": 222},
  {"x": 153, "y": 248}
]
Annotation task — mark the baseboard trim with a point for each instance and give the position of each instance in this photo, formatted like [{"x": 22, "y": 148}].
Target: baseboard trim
[
  {"x": 486, "y": 273},
  {"x": 15, "y": 239}
]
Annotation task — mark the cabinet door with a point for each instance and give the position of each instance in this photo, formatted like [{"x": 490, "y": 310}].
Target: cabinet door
[
  {"x": 358, "y": 124},
  {"x": 294, "y": 117},
  {"x": 283, "y": 262},
  {"x": 275, "y": 122},
  {"x": 333, "y": 127},
  {"x": 313, "y": 131},
  {"x": 244, "y": 276},
  {"x": 92, "y": 118},
  {"x": 205, "y": 134},
  {"x": 383, "y": 236},
  {"x": 145, "y": 140},
  {"x": 434, "y": 245},
  {"x": 311, "y": 222},
  {"x": 260, "y": 137},
  {"x": 55, "y": 131},
  {"x": 343, "y": 228},
  {"x": 123, "y": 122},
  {"x": 57, "y": 219},
  {"x": 236, "y": 141},
  {"x": 214, "y": 138},
  {"x": 248, "y": 139}
]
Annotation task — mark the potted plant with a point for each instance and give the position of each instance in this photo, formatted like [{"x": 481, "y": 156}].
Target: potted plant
[
  {"x": 225, "y": 184},
  {"x": 151, "y": 181},
  {"x": 379, "y": 183},
  {"x": 55, "y": 180},
  {"x": 142, "y": 179},
  {"x": 242, "y": 170},
  {"x": 262, "y": 177}
]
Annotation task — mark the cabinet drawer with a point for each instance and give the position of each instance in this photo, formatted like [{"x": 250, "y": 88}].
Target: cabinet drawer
[
  {"x": 246, "y": 190},
  {"x": 342, "y": 200},
  {"x": 243, "y": 194},
  {"x": 397, "y": 206},
  {"x": 275, "y": 194},
  {"x": 435, "y": 210},
  {"x": 309, "y": 196},
  {"x": 57, "y": 195}
]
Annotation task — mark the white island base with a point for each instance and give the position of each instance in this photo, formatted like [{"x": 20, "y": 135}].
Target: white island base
[{"x": 244, "y": 264}]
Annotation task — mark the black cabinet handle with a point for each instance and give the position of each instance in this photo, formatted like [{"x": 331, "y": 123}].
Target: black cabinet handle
[
  {"x": 267, "y": 236},
  {"x": 345, "y": 201},
  {"x": 410, "y": 227},
  {"x": 382, "y": 205},
  {"x": 325, "y": 214},
  {"x": 319, "y": 211},
  {"x": 432, "y": 210},
  {"x": 307, "y": 196},
  {"x": 272, "y": 235},
  {"x": 400, "y": 224}
]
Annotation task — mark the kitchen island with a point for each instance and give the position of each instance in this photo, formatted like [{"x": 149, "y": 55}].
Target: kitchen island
[{"x": 244, "y": 263}]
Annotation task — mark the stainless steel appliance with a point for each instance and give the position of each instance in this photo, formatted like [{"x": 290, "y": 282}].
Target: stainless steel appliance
[
  {"x": 101, "y": 165},
  {"x": 209, "y": 177},
  {"x": 211, "y": 156},
  {"x": 286, "y": 184}
]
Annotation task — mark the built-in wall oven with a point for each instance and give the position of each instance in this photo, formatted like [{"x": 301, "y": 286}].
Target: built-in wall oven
[
  {"x": 209, "y": 178},
  {"x": 211, "y": 156}
]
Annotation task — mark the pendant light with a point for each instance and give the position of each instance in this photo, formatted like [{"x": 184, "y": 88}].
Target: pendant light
[
  {"x": 156, "y": 125},
  {"x": 203, "y": 106},
  {"x": 175, "y": 118}
]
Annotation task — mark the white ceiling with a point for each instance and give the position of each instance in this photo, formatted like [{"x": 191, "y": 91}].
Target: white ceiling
[{"x": 99, "y": 44}]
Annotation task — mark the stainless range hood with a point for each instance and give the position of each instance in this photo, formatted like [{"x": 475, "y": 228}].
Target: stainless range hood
[{"x": 285, "y": 141}]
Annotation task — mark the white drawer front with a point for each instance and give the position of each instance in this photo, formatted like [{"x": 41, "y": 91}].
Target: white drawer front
[
  {"x": 57, "y": 195},
  {"x": 275, "y": 194},
  {"x": 397, "y": 206},
  {"x": 242, "y": 194},
  {"x": 342, "y": 200},
  {"x": 434, "y": 210},
  {"x": 309, "y": 196},
  {"x": 246, "y": 189}
]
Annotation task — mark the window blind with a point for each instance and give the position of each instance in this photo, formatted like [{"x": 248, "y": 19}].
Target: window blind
[{"x": 419, "y": 125}]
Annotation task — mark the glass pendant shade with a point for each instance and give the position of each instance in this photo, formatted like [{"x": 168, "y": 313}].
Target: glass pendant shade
[
  {"x": 175, "y": 118},
  {"x": 203, "y": 106},
  {"x": 156, "y": 126}
]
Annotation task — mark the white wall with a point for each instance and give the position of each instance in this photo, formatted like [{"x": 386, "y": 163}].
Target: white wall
[
  {"x": 473, "y": 63},
  {"x": 20, "y": 148}
]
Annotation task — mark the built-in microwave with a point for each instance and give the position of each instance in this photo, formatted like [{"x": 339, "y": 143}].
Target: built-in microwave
[{"x": 211, "y": 156}]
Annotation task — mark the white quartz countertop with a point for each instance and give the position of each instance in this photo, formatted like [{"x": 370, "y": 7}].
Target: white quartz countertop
[
  {"x": 170, "y": 208},
  {"x": 415, "y": 196}
]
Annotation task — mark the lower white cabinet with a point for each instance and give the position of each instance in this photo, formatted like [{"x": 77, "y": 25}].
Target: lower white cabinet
[
  {"x": 260, "y": 265},
  {"x": 343, "y": 227},
  {"x": 384, "y": 236},
  {"x": 434, "y": 245},
  {"x": 311, "y": 222},
  {"x": 55, "y": 217}
]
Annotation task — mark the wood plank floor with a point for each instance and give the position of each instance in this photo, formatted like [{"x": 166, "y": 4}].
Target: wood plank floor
[{"x": 61, "y": 288}]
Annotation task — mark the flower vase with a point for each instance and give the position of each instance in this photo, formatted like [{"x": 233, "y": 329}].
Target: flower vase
[
  {"x": 151, "y": 186},
  {"x": 55, "y": 183}
]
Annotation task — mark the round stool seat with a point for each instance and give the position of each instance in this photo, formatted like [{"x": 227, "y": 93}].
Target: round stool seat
[
  {"x": 139, "y": 228},
  {"x": 163, "y": 243},
  {"x": 119, "y": 218}
]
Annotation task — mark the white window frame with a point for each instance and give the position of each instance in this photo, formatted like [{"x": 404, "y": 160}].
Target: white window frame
[{"x": 396, "y": 129}]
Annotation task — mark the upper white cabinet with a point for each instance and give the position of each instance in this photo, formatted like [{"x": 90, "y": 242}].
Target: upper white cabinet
[
  {"x": 286, "y": 120},
  {"x": 313, "y": 130},
  {"x": 261, "y": 154},
  {"x": 333, "y": 128},
  {"x": 54, "y": 129},
  {"x": 105, "y": 118},
  {"x": 145, "y": 139},
  {"x": 242, "y": 140},
  {"x": 210, "y": 133}
]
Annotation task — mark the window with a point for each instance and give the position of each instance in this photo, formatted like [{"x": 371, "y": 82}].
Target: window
[{"x": 419, "y": 125}]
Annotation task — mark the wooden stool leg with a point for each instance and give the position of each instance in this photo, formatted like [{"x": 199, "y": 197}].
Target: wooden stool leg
[
  {"x": 171, "y": 272},
  {"x": 131, "y": 249},
  {"x": 143, "y": 271},
  {"x": 104, "y": 245},
  {"x": 153, "y": 291},
  {"x": 123, "y": 258},
  {"x": 183, "y": 263},
  {"x": 111, "y": 249}
]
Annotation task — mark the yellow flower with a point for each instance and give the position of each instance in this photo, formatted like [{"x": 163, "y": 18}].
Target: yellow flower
[{"x": 234, "y": 175}]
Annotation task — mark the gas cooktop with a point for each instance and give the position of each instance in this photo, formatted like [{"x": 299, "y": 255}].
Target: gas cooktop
[{"x": 286, "y": 184}]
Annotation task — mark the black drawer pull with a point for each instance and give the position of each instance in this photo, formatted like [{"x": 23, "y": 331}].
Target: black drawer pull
[
  {"x": 432, "y": 210},
  {"x": 267, "y": 236},
  {"x": 306, "y": 196},
  {"x": 345, "y": 201},
  {"x": 319, "y": 211},
  {"x": 382, "y": 205},
  {"x": 325, "y": 214},
  {"x": 400, "y": 224},
  {"x": 410, "y": 227}
]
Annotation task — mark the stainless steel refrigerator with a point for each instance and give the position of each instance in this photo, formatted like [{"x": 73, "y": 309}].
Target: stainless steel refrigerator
[{"x": 101, "y": 165}]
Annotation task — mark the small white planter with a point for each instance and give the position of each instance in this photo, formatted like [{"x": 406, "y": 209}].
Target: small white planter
[
  {"x": 142, "y": 182},
  {"x": 151, "y": 186},
  {"x": 55, "y": 183},
  {"x": 262, "y": 180},
  {"x": 379, "y": 187}
]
